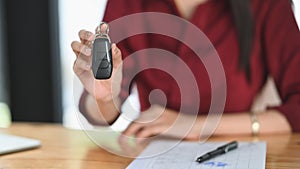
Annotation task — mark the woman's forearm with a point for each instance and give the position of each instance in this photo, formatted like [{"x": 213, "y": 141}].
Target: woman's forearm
[
  {"x": 270, "y": 122},
  {"x": 102, "y": 112}
]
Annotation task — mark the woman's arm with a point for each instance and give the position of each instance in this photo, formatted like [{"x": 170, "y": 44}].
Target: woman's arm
[
  {"x": 282, "y": 49},
  {"x": 166, "y": 122},
  {"x": 98, "y": 113},
  {"x": 100, "y": 100},
  {"x": 270, "y": 121}
]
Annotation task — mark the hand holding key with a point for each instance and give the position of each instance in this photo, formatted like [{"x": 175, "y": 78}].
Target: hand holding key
[{"x": 100, "y": 89}]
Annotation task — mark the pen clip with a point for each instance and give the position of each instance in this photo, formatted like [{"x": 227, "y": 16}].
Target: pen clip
[{"x": 230, "y": 146}]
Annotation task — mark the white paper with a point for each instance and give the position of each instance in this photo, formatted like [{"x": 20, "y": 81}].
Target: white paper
[{"x": 248, "y": 155}]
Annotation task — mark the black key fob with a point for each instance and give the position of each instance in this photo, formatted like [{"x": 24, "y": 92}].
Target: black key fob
[{"x": 102, "y": 64}]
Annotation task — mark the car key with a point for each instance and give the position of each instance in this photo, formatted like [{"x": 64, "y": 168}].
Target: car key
[{"x": 101, "y": 53}]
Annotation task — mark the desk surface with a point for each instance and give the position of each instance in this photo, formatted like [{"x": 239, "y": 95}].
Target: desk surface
[{"x": 65, "y": 148}]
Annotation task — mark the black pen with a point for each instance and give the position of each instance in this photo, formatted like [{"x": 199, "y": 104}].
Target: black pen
[{"x": 220, "y": 150}]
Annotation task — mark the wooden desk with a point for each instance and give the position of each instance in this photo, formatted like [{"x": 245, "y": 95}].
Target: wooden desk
[{"x": 65, "y": 148}]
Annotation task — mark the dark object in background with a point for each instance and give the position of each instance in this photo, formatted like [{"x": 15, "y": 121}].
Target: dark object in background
[
  {"x": 3, "y": 59},
  {"x": 33, "y": 58}
]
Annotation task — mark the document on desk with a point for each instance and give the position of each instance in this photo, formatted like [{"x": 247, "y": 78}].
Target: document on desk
[{"x": 248, "y": 155}]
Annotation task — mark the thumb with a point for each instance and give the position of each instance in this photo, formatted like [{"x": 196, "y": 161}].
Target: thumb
[{"x": 116, "y": 55}]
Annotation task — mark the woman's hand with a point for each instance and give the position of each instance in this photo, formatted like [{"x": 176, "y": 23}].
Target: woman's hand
[
  {"x": 160, "y": 121},
  {"x": 102, "y": 90}
]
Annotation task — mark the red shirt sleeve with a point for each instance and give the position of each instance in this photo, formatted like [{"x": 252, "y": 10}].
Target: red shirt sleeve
[{"x": 282, "y": 47}]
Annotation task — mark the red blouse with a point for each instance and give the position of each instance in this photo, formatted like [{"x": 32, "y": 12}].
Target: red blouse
[{"x": 276, "y": 52}]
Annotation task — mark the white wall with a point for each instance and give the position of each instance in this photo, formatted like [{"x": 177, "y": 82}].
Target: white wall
[
  {"x": 297, "y": 10},
  {"x": 74, "y": 15}
]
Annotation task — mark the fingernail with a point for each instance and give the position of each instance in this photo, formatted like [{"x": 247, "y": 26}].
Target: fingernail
[
  {"x": 113, "y": 45},
  {"x": 88, "y": 35}
]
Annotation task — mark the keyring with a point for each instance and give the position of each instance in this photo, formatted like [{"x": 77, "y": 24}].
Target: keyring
[{"x": 102, "y": 30}]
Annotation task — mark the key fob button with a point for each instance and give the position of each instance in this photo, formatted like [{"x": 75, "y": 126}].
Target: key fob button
[{"x": 104, "y": 64}]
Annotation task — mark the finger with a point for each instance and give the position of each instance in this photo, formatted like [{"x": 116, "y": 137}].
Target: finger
[
  {"x": 80, "y": 48},
  {"x": 150, "y": 131},
  {"x": 124, "y": 144},
  {"x": 133, "y": 128},
  {"x": 130, "y": 147},
  {"x": 74, "y": 47},
  {"x": 116, "y": 54},
  {"x": 86, "y": 36},
  {"x": 82, "y": 64}
]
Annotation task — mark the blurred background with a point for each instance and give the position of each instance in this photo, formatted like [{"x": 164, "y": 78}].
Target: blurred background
[{"x": 36, "y": 76}]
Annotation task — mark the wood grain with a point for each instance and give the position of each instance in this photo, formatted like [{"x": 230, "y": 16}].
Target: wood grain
[{"x": 64, "y": 148}]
